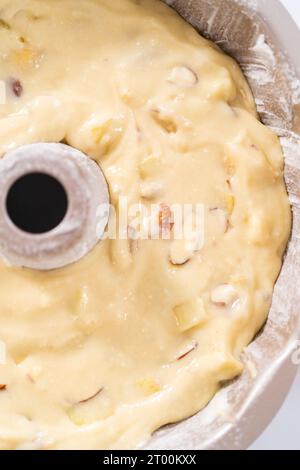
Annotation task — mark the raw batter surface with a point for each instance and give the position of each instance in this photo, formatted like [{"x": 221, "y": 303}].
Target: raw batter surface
[{"x": 136, "y": 335}]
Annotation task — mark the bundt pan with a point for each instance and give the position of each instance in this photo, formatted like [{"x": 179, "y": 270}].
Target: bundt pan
[{"x": 263, "y": 38}]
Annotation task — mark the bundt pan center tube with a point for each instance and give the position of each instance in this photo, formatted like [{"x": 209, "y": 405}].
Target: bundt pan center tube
[{"x": 38, "y": 180}]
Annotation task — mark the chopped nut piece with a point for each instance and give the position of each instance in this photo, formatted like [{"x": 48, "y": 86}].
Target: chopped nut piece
[
  {"x": 183, "y": 76},
  {"x": 2, "y": 387},
  {"x": 189, "y": 350},
  {"x": 149, "y": 386},
  {"x": 89, "y": 411},
  {"x": 16, "y": 87},
  {"x": 190, "y": 314},
  {"x": 180, "y": 252},
  {"x": 165, "y": 219},
  {"x": 221, "y": 218},
  {"x": 224, "y": 295},
  {"x": 92, "y": 396},
  {"x": 31, "y": 369}
]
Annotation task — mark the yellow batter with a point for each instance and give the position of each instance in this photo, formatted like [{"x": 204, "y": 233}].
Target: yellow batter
[{"x": 102, "y": 353}]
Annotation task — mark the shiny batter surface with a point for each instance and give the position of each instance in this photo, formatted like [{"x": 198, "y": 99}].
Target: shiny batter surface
[{"x": 102, "y": 353}]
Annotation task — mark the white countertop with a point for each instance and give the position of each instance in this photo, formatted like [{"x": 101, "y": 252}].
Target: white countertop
[{"x": 284, "y": 432}]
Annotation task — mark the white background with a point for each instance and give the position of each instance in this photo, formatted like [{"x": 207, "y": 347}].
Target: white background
[
  {"x": 294, "y": 8},
  {"x": 284, "y": 431}
]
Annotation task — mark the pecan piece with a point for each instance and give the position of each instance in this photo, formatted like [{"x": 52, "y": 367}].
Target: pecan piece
[
  {"x": 192, "y": 348},
  {"x": 16, "y": 87},
  {"x": 91, "y": 397}
]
